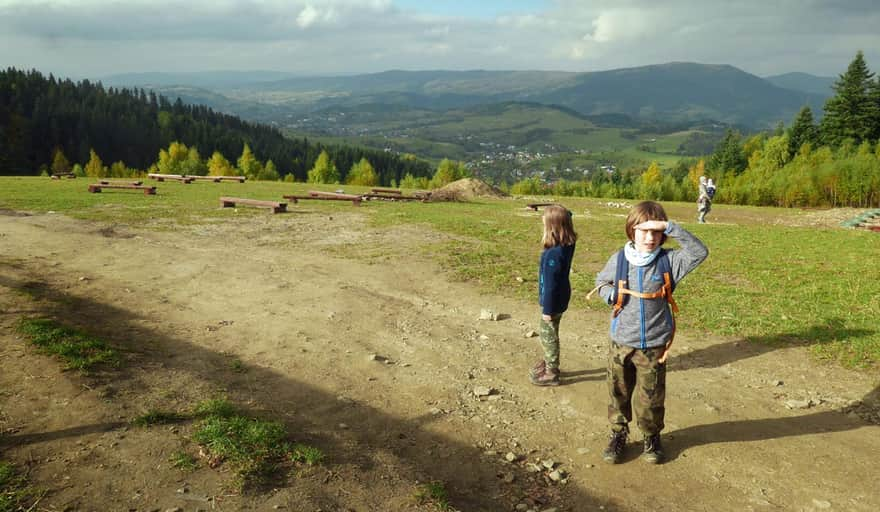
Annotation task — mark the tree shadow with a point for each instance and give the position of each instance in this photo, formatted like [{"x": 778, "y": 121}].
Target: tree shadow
[
  {"x": 752, "y": 346},
  {"x": 471, "y": 479},
  {"x": 768, "y": 428}
]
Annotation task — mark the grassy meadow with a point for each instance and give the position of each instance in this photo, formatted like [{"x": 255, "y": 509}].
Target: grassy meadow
[{"x": 768, "y": 279}]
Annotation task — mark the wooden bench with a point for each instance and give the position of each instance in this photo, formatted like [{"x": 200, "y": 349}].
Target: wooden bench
[
  {"x": 355, "y": 200},
  {"x": 535, "y": 206},
  {"x": 59, "y": 175},
  {"x": 275, "y": 206},
  {"x": 385, "y": 191},
  {"x": 392, "y": 197},
  {"x": 148, "y": 191},
  {"x": 216, "y": 179},
  {"x": 173, "y": 177},
  {"x": 108, "y": 182}
]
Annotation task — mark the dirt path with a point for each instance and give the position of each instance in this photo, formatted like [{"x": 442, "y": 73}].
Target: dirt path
[{"x": 373, "y": 355}]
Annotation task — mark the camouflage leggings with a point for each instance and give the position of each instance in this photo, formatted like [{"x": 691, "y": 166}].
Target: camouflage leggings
[
  {"x": 636, "y": 381},
  {"x": 550, "y": 341}
]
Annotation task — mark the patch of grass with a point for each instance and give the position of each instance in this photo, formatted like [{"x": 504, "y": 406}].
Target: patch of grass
[
  {"x": 183, "y": 461},
  {"x": 15, "y": 491},
  {"x": 306, "y": 454},
  {"x": 220, "y": 407},
  {"x": 433, "y": 492},
  {"x": 237, "y": 366},
  {"x": 253, "y": 448},
  {"x": 156, "y": 417},
  {"x": 78, "y": 350}
]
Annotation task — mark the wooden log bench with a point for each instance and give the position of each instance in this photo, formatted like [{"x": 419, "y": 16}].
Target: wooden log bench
[
  {"x": 355, "y": 200},
  {"x": 386, "y": 191},
  {"x": 97, "y": 187},
  {"x": 535, "y": 206},
  {"x": 275, "y": 206},
  {"x": 59, "y": 175},
  {"x": 186, "y": 180},
  {"x": 216, "y": 179},
  {"x": 392, "y": 197},
  {"x": 108, "y": 182}
]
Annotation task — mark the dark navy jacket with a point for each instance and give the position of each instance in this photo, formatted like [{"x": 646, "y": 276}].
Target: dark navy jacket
[{"x": 554, "y": 288}]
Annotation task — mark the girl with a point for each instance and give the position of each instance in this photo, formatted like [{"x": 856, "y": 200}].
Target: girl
[
  {"x": 554, "y": 289},
  {"x": 638, "y": 281}
]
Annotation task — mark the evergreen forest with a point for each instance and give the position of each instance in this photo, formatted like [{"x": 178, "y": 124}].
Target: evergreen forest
[{"x": 47, "y": 124}]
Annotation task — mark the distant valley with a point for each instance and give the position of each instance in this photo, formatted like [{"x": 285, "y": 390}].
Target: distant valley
[{"x": 660, "y": 112}]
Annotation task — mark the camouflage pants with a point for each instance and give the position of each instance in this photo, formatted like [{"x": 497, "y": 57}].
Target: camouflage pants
[
  {"x": 636, "y": 382},
  {"x": 550, "y": 340}
]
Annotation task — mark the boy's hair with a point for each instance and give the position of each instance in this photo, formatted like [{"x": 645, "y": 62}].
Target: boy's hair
[
  {"x": 644, "y": 211},
  {"x": 558, "y": 228}
]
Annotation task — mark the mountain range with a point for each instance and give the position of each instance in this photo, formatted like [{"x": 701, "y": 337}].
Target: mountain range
[{"x": 673, "y": 92}]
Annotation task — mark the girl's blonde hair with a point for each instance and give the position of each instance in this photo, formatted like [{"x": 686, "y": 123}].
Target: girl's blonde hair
[
  {"x": 558, "y": 228},
  {"x": 644, "y": 211}
]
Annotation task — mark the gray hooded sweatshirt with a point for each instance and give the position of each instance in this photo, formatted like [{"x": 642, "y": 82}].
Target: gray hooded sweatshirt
[{"x": 648, "y": 323}]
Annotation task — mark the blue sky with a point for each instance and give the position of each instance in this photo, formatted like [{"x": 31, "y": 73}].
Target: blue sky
[{"x": 95, "y": 38}]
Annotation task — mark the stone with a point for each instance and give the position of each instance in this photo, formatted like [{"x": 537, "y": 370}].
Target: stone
[{"x": 488, "y": 314}]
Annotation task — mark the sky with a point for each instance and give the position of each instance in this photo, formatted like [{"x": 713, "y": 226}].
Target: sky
[{"x": 96, "y": 38}]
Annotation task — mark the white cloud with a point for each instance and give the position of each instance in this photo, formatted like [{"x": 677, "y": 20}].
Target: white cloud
[
  {"x": 622, "y": 25},
  {"x": 94, "y": 37}
]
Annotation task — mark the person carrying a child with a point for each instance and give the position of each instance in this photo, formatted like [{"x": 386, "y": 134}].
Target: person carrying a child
[
  {"x": 704, "y": 199},
  {"x": 638, "y": 282},
  {"x": 554, "y": 289}
]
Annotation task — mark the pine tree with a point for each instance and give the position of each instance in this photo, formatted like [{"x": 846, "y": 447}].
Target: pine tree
[
  {"x": 802, "y": 131},
  {"x": 248, "y": 165},
  {"x": 218, "y": 165},
  {"x": 94, "y": 167},
  {"x": 850, "y": 112},
  {"x": 362, "y": 173},
  {"x": 728, "y": 155},
  {"x": 324, "y": 170},
  {"x": 60, "y": 164}
]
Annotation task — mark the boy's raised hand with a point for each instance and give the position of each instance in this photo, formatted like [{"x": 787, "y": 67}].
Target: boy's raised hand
[{"x": 652, "y": 225}]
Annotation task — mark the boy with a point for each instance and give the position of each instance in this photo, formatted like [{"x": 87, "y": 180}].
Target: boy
[{"x": 642, "y": 325}]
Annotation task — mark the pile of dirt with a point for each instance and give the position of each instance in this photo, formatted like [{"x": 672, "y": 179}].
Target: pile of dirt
[{"x": 465, "y": 189}]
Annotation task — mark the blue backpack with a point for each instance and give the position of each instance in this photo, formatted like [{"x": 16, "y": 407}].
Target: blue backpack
[
  {"x": 710, "y": 191},
  {"x": 620, "y": 295}
]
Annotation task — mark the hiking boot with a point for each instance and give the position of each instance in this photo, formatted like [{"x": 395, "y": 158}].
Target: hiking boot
[
  {"x": 545, "y": 377},
  {"x": 537, "y": 368},
  {"x": 653, "y": 453},
  {"x": 616, "y": 445}
]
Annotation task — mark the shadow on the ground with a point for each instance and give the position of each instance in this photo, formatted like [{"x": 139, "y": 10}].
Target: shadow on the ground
[
  {"x": 752, "y": 346},
  {"x": 769, "y": 428},
  {"x": 472, "y": 481}
]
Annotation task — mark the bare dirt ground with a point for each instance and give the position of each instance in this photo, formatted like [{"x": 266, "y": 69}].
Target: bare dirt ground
[{"x": 374, "y": 356}]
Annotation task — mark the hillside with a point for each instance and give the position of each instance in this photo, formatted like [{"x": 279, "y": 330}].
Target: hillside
[
  {"x": 805, "y": 82},
  {"x": 667, "y": 92},
  {"x": 682, "y": 91}
]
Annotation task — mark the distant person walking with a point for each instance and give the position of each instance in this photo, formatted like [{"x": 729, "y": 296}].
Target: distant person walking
[
  {"x": 638, "y": 282},
  {"x": 554, "y": 289},
  {"x": 704, "y": 200}
]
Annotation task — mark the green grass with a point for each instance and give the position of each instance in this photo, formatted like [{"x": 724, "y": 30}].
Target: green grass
[
  {"x": 764, "y": 281},
  {"x": 78, "y": 350},
  {"x": 183, "y": 461},
  {"x": 433, "y": 492},
  {"x": 16, "y": 494},
  {"x": 255, "y": 449}
]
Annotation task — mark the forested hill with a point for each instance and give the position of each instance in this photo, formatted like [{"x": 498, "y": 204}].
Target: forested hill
[{"x": 40, "y": 114}]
